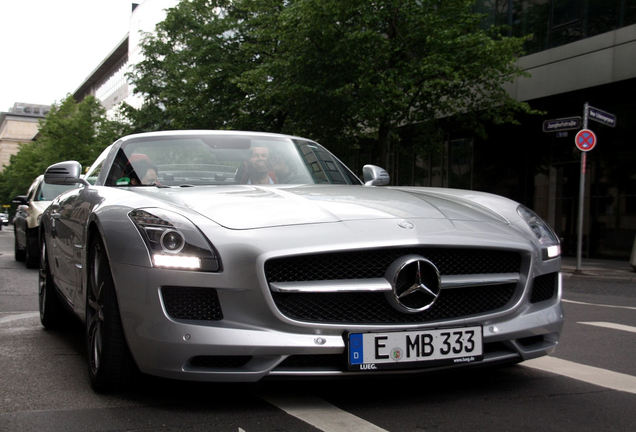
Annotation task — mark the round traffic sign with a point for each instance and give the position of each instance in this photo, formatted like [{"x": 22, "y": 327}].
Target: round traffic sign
[{"x": 585, "y": 140}]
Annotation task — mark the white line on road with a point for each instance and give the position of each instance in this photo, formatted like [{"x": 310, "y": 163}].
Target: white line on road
[
  {"x": 589, "y": 374},
  {"x": 17, "y": 317},
  {"x": 322, "y": 415},
  {"x": 602, "y": 305},
  {"x": 609, "y": 325}
]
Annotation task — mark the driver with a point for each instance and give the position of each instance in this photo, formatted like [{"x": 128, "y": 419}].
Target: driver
[{"x": 258, "y": 169}]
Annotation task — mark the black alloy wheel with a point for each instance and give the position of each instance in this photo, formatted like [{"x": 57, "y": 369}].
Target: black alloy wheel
[
  {"x": 110, "y": 364},
  {"x": 52, "y": 313}
]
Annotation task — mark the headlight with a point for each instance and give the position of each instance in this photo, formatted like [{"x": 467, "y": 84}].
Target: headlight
[
  {"x": 549, "y": 241},
  {"x": 173, "y": 241}
]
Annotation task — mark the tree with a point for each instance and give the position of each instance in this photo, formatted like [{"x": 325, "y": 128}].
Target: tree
[
  {"x": 333, "y": 70},
  {"x": 70, "y": 131}
]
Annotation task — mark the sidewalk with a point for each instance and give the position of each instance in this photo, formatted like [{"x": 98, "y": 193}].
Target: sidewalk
[{"x": 599, "y": 268}]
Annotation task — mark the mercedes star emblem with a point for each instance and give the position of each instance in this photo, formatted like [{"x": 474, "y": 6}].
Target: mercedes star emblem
[{"x": 415, "y": 283}]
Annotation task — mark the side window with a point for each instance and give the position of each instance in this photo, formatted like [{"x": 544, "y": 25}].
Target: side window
[
  {"x": 37, "y": 195},
  {"x": 324, "y": 168},
  {"x": 93, "y": 173},
  {"x": 118, "y": 170}
]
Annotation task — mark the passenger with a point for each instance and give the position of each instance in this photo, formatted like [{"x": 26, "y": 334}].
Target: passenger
[{"x": 143, "y": 171}]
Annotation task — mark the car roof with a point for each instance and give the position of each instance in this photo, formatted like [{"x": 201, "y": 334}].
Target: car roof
[{"x": 209, "y": 133}]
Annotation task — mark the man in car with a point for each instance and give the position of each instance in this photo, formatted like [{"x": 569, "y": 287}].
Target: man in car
[{"x": 258, "y": 169}]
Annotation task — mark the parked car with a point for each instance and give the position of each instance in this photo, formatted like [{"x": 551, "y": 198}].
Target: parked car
[
  {"x": 4, "y": 219},
  {"x": 27, "y": 218},
  {"x": 218, "y": 269}
]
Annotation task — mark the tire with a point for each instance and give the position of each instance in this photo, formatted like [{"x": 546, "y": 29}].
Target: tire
[
  {"x": 52, "y": 313},
  {"x": 32, "y": 249},
  {"x": 18, "y": 253},
  {"x": 110, "y": 364}
]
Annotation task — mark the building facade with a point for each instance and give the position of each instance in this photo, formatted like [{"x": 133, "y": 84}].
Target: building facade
[
  {"x": 19, "y": 125},
  {"x": 108, "y": 81}
]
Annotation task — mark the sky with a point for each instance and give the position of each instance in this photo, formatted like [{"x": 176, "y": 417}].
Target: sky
[{"x": 49, "y": 47}]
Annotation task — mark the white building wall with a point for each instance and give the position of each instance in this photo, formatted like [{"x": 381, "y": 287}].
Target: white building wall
[
  {"x": 143, "y": 20},
  {"x": 590, "y": 62}
]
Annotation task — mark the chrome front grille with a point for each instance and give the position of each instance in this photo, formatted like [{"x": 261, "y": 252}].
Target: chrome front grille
[
  {"x": 350, "y": 287},
  {"x": 373, "y": 263}
]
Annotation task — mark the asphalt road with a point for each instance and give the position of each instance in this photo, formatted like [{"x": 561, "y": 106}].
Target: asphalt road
[{"x": 589, "y": 384}]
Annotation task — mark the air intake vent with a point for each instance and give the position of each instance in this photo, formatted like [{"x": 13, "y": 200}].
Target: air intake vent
[
  {"x": 544, "y": 287},
  {"x": 191, "y": 303}
]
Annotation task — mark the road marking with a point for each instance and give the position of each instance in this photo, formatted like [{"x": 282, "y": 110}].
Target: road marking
[
  {"x": 609, "y": 325},
  {"x": 17, "y": 317},
  {"x": 322, "y": 415},
  {"x": 589, "y": 374},
  {"x": 596, "y": 304}
]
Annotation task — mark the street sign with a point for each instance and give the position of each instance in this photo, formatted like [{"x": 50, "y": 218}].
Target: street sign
[
  {"x": 585, "y": 140},
  {"x": 562, "y": 124},
  {"x": 608, "y": 119}
]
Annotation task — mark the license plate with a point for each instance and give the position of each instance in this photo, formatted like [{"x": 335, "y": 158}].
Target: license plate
[{"x": 395, "y": 350}]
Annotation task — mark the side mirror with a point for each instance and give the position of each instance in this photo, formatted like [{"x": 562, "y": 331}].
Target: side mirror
[
  {"x": 375, "y": 176},
  {"x": 19, "y": 200},
  {"x": 64, "y": 173}
]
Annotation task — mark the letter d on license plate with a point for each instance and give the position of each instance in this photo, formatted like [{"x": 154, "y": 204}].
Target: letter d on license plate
[{"x": 412, "y": 349}]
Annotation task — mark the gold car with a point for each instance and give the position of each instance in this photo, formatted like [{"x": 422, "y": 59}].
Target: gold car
[{"x": 27, "y": 218}]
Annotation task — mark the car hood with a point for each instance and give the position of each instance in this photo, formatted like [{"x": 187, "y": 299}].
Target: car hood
[{"x": 248, "y": 207}]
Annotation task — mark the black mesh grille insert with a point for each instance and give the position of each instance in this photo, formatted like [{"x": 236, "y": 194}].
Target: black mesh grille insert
[
  {"x": 544, "y": 287},
  {"x": 191, "y": 303},
  {"x": 373, "y": 308},
  {"x": 373, "y": 263}
]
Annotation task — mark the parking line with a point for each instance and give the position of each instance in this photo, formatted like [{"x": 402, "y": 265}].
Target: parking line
[
  {"x": 322, "y": 415},
  {"x": 596, "y": 304},
  {"x": 609, "y": 325},
  {"x": 589, "y": 374}
]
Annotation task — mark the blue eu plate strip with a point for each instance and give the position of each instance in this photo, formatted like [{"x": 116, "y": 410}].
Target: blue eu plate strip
[{"x": 355, "y": 348}]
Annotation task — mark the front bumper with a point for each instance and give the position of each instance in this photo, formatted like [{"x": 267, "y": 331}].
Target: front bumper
[{"x": 252, "y": 342}]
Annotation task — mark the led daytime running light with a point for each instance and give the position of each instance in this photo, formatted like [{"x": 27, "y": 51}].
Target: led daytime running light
[{"x": 177, "y": 261}]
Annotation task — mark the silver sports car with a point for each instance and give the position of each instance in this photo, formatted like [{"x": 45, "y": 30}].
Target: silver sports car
[{"x": 234, "y": 256}]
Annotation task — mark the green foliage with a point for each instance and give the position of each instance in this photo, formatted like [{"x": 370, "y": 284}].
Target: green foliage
[
  {"x": 338, "y": 71},
  {"x": 70, "y": 131}
]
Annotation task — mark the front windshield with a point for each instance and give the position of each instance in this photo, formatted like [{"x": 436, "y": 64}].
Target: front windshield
[{"x": 191, "y": 160}]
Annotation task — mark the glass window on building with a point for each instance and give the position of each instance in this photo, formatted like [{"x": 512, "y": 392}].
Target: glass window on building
[{"x": 557, "y": 22}]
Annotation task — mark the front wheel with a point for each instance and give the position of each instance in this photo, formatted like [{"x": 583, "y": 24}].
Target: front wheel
[
  {"x": 18, "y": 253},
  {"x": 110, "y": 364},
  {"x": 32, "y": 248}
]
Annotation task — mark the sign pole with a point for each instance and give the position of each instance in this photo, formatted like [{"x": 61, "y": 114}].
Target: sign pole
[{"x": 579, "y": 240}]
